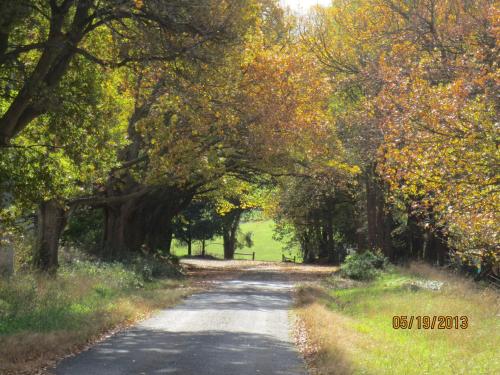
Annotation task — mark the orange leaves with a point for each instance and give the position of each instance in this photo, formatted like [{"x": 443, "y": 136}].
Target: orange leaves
[
  {"x": 285, "y": 94},
  {"x": 420, "y": 83},
  {"x": 139, "y": 3},
  {"x": 439, "y": 124}
]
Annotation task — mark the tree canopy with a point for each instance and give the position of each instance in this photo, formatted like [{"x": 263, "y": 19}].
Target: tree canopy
[{"x": 367, "y": 124}]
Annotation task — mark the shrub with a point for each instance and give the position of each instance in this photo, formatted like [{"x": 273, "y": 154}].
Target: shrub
[
  {"x": 84, "y": 230},
  {"x": 363, "y": 266},
  {"x": 154, "y": 267},
  {"x": 33, "y": 302}
]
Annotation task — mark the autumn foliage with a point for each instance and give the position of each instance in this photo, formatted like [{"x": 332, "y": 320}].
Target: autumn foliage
[
  {"x": 369, "y": 124},
  {"x": 419, "y": 81}
]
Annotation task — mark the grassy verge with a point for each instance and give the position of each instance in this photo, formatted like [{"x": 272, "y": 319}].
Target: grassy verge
[
  {"x": 349, "y": 326},
  {"x": 265, "y": 246},
  {"x": 43, "y": 318}
]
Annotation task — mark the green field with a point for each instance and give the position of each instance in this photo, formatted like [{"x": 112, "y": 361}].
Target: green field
[
  {"x": 265, "y": 247},
  {"x": 361, "y": 339}
]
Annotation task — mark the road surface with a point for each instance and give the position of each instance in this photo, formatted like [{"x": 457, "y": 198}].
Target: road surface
[{"x": 239, "y": 327}]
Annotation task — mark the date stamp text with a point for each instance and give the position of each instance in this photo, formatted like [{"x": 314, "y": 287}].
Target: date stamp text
[{"x": 430, "y": 322}]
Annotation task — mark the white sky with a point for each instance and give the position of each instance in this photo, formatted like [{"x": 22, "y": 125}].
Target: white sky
[{"x": 302, "y": 6}]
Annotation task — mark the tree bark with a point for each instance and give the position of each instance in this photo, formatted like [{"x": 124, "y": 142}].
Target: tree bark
[
  {"x": 371, "y": 207},
  {"x": 229, "y": 231},
  {"x": 190, "y": 249},
  {"x": 49, "y": 70},
  {"x": 50, "y": 224},
  {"x": 145, "y": 221},
  {"x": 122, "y": 232},
  {"x": 190, "y": 241},
  {"x": 307, "y": 250},
  {"x": 384, "y": 224}
]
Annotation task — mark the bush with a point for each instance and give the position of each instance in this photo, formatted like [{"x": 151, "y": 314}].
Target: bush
[
  {"x": 156, "y": 267},
  {"x": 84, "y": 230},
  {"x": 363, "y": 266},
  {"x": 115, "y": 275},
  {"x": 38, "y": 303}
]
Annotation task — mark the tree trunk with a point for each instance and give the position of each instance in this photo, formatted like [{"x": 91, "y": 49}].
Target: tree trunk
[
  {"x": 229, "y": 245},
  {"x": 203, "y": 248},
  {"x": 145, "y": 221},
  {"x": 119, "y": 230},
  {"x": 159, "y": 231},
  {"x": 229, "y": 231},
  {"x": 190, "y": 241},
  {"x": 307, "y": 250},
  {"x": 6, "y": 256},
  {"x": 384, "y": 224},
  {"x": 442, "y": 250},
  {"x": 50, "y": 224},
  {"x": 425, "y": 244},
  {"x": 371, "y": 208},
  {"x": 333, "y": 256}
]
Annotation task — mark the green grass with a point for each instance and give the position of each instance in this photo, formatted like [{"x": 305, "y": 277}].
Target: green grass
[
  {"x": 45, "y": 317},
  {"x": 361, "y": 339},
  {"x": 265, "y": 247}
]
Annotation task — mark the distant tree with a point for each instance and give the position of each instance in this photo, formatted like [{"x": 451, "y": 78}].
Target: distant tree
[
  {"x": 317, "y": 215},
  {"x": 198, "y": 222}
]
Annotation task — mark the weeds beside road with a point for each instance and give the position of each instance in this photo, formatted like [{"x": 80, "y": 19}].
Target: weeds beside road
[{"x": 43, "y": 318}]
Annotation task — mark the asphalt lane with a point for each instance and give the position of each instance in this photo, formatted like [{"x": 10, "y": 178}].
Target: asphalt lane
[{"x": 239, "y": 327}]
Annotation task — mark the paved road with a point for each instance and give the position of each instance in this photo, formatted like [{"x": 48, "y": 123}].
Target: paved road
[{"x": 240, "y": 327}]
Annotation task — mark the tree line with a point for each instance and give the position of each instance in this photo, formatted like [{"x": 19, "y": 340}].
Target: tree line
[
  {"x": 369, "y": 124},
  {"x": 414, "y": 98}
]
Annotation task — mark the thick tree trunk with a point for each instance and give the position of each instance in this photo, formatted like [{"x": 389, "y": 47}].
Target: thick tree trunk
[
  {"x": 307, "y": 250},
  {"x": 229, "y": 245},
  {"x": 122, "y": 233},
  {"x": 229, "y": 231},
  {"x": 50, "y": 224},
  {"x": 203, "y": 243},
  {"x": 142, "y": 222},
  {"x": 158, "y": 230}
]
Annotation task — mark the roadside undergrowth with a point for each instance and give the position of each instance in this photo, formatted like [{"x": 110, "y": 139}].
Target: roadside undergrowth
[
  {"x": 43, "y": 319},
  {"x": 348, "y": 328}
]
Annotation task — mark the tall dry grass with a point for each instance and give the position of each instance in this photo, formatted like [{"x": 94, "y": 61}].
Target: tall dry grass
[{"x": 42, "y": 318}]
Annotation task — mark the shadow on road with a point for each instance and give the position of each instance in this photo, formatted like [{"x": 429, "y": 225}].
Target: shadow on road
[
  {"x": 238, "y": 326},
  {"x": 144, "y": 351}
]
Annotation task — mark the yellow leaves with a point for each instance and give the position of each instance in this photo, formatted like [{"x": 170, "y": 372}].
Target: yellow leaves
[
  {"x": 431, "y": 111},
  {"x": 223, "y": 207},
  {"x": 448, "y": 154},
  {"x": 139, "y": 4},
  {"x": 343, "y": 167}
]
